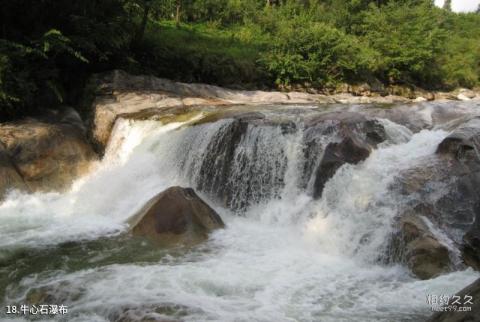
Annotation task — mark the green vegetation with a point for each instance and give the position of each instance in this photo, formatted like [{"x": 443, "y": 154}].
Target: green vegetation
[
  {"x": 201, "y": 53},
  {"x": 49, "y": 48}
]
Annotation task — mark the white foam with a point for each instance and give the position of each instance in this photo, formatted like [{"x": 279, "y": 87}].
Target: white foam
[
  {"x": 97, "y": 204},
  {"x": 355, "y": 214}
]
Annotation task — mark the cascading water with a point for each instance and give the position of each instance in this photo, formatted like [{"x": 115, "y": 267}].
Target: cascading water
[{"x": 283, "y": 256}]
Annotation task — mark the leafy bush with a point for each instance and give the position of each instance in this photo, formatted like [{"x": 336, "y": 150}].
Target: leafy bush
[
  {"x": 28, "y": 73},
  {"x": 315, "y": 53},
  {"x": 409, "y": 39}
]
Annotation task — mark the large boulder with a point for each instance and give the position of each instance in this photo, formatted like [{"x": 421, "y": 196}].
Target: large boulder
[
  {"x": 469, "y": 294},
  {"x": 329, "y": 140},
  {"x": 176, "y": 215},
  {"x": 37, "y": 155}
]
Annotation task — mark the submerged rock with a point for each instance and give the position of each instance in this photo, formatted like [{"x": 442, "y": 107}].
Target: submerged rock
[
  {"x": 176, "y": 215},
  {"x": 42, "y": 156},
  {"x": 218, "y": 164},
  {"x": 246, "y": 158},
  {"x": 469, "y": 294},
  {"x": 166, "y": 312}
]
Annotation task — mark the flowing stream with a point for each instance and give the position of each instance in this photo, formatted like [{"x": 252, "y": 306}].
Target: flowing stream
[{"x": 283, "y": 256}]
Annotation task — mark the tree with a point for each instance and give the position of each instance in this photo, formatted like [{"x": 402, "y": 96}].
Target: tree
[{"x": 145, "y": 7}]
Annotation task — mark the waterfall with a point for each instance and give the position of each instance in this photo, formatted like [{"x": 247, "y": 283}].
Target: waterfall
[
  {"x": 255, "y": 168},
  {"x": 284, "y": 256},
  {"x": 356, "y": 212}
]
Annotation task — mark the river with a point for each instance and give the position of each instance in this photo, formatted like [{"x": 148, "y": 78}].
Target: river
[{"x": 283, "y": 255}]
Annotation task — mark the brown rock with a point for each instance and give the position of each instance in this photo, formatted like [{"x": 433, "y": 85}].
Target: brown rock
[
  {"x": 445, "y": 96},
  {"x": 427, "y": 257},
  {"x": 429, "y": 96},
  {"x": 418, "y": 248},
  {"x": 9, "y": 177},
  {"x": 118, "y": 93},
  {"x": 401, "y": 90},
  {"x": 176, "y": 215},
  {"x": 361, "y": 89},
  {"x": 46, "y": 156}
]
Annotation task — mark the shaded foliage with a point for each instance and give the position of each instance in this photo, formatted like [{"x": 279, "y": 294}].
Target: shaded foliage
[{"x": 49, "y": 48}]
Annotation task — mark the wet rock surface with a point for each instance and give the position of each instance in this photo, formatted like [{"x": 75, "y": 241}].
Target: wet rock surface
[
  {"x": 118, "y": 93},
  {"x": 464, "y": 139},
  {"x": 355, "y": 136},
  {"x": 349, "y": 150},
  {"x": 232, "y": 171},
  {"x": 461, "y": 150},
  {"x": 218, "y": 166},
  {"x": 176, "y": 216},
  {"x": 445, "y": 189}
]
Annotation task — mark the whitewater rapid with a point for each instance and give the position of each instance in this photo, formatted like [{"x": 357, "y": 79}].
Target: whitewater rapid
[{"x": 282, "y": 257}]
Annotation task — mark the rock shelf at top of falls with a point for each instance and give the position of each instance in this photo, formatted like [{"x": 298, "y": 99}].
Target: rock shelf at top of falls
[{"x": 118, "y": 94}]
